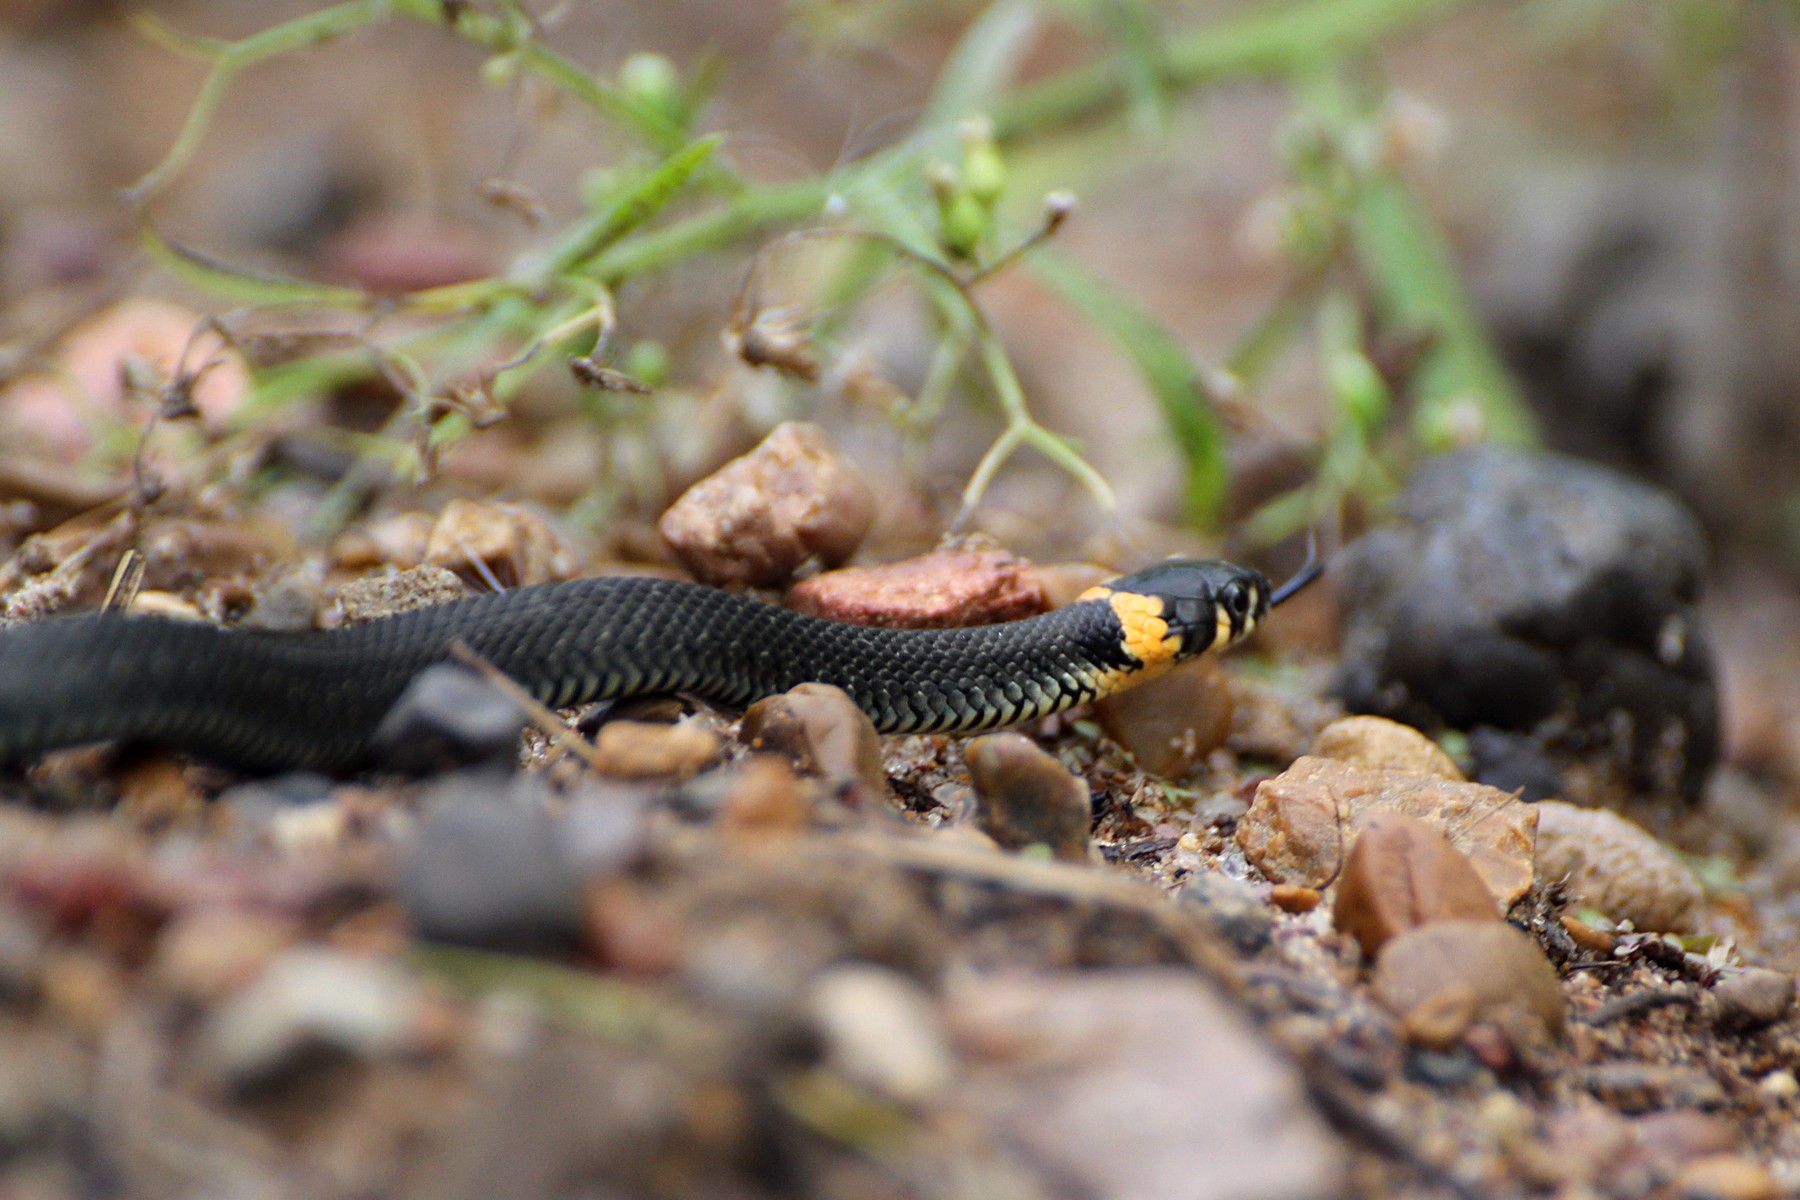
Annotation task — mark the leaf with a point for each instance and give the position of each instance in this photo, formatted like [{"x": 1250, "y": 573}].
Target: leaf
[{"x": 1166, "y": 367}]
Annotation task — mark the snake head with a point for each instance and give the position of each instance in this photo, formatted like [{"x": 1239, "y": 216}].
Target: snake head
[{"x": 1191, "y": 605}]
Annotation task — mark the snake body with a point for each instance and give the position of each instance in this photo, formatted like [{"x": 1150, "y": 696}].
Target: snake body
[{"x": 266, "y": 701}]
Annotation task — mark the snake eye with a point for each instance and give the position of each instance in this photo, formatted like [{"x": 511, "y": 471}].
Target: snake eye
[{"x": 1236, "y": 599}]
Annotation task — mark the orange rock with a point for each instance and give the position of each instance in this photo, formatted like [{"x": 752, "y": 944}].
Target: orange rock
[
  {"x": 933, "y": 591},
  {"x": 1403, "y": 873}
]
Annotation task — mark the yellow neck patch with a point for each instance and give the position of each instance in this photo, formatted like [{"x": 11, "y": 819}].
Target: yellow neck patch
[{"x": 1147, "y": 636}]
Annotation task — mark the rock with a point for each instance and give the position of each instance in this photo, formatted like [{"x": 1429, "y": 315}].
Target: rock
[
  {"x": 1232, "y": 908},
  {"x": 488, "y": 869},
  {"x": 493, "y": 546},
  {"x": 758, "y": 518},
  {"x": 396, "y": 541},
  {"x": 1726, "y": 1177},
  {"x": 1753, "y": 998},
  {"x": 308, "y": 999},
  {"x": 1383, "y": 745},
  {"x": 1292, "y": 898},
  {"x": 881, "y": 1030},
  {"x": 605, "y": 829},
  {"x": 1139, "y": 1085},
  {"x": 764, "y": 795},
  {"x": 1524, "y": 590},
  {"x": 211, "y": 953},
  {"x": 946, "y": 589},
  {"x": 1613, "y": 866},
  {"x": 822, "y": 732},
  {"x": 1304, "y": 822},
  {"x": 375, "y": 596},
  {"x": 1024, "y": 796},
  {"x": 1640, "y": 1087},
  {"x": 643, "y": 750},
  {"x": 1171, "y": 723},
  {"x": 1403, "y": 873},
  {"x": 449, "y": 716},
  {"x": 1666, "y": 1140},
  {"x": 1506, "y": 977}
]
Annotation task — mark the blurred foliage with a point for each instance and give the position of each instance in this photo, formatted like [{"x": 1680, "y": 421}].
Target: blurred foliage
[{"x": 1372, "y": 293}]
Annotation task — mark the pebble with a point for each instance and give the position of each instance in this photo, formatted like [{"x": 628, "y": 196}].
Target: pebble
[
  {"x": 1139, "y": 1084},
  {"x": 1383, "y": 745},
  {"x": 1641, "y": 1087},
  {"x": 487, "y": 544},
  {"x": 1509, "y": 978},
  {"x": 488, "y": 868},
  {"x": 374, "y": 596},
  {"x": 1233, "y": 909},
  {"x": 1523, "y": 588},
  {"x": 1616, "y": 868},
  {"x": 1726, "y": 1177},
  {"x": 447, "y": 717},
  {"x": 758, "y": 518},
  {"x": 1752, "y": 998},
  {"x": 647, "y": 750},
  {"x": 1171, "y": 723},
  {"x": 945, "y": 589},
  {"x": 1291, "y": 898},
  {"x": 822, "y": 733},
  {"x": 1403, "y": 873},
  {"x": 882, "y": 1030},
  {"x": 307, "y": 998},
  {"x": 1298, "y": 826},
  {"x": 1024, "y": 796},
  {"x": 764, "y": 795},
  {"x": 211, "y": 953},
  {"x": 396, "y": 541}
]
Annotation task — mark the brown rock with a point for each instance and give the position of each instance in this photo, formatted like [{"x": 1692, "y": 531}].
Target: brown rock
[
  {"x": 490, "y": 544},
  {"x": 1403, "y": 873},
  {"x": 1139, "y": 1085},
  {"x": 1304, "y": 822},
  {"x": 1171, "y": 723},
  {"x": 1292, "y": 899},
  {"x": 758, "y": 518},
  {"x": 374, "y": 596},
  {"x": 946, "y": 589},
  {"x": 1753, "y": 998},
  {"x": 1668, "y": 1139},
  {"x": 1512, "y": 983},
  {"x": 640, "y": 750},
  {"x": 1025, "y": 796},
  {"x": 1617, "y": 868},
  {"x": 822, "y": 732},
  {"x": 765, "y": 796},
  {"x": 396, "y": 541},
  {"x": 212, "y": 952},
  {"x": 1726, "y": 1177},
  {"x": 1384, "y": 745}
]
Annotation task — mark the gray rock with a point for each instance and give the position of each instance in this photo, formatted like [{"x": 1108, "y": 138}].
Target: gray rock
[
  {"x": 1233, "y": 909},
  {"x": 1536, "y": 593},
  {"x": 448, "y": 717},
  {"x": 1753, "y": 998},
  {"x": 489, "y": 868}
]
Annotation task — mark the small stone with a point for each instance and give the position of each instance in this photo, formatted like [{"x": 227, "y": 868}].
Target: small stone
[
  {"x": 1403, "y": 873},
  {"x": 1025, "y": 796},
  {"x": 1171, "y": 723},
  {"x": 630, "y": 930},
  {"x": 1303, "y": 823},
  {"x": 1616, "y": 868},
  {"x": 882, "y": 1030},
  {"x": 758, "y": 518},
  {"x": 491, "y": 545},
  {"x": 642, "y": 750},
  {"x": 822, "y": 732},
  {"x": 1232, "y": 908},
  {"x": 374, "y": 596},
  {"x": 449, "y": 716},
  {"x": 1511, "y": 980},
  {"x": 1681, "y": 1135},
  {"x": 490, "y": 870},
  {"x": 1290, "y": 898},
  {"x": 605, "y": 829},
  {"x": 1439, "y": 1021},
  {"x": 396, "y": 541},
  {"x": 305, "y": 1000},
  {"x": 764, "y": 795},
  {"x": 1383, "y": 745},
  {"x": 1641, "y": 1087},
  {"x": 946, "y": 589},
  {"x": 212, "y": 953},
  {"x": 1594, "y": 941},
  {"x": 1753, "y": 998},
  {"x": 1726, "y": 1177}
]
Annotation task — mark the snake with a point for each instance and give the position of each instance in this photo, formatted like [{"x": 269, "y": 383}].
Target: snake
[{"x": 266, "y": 701}]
